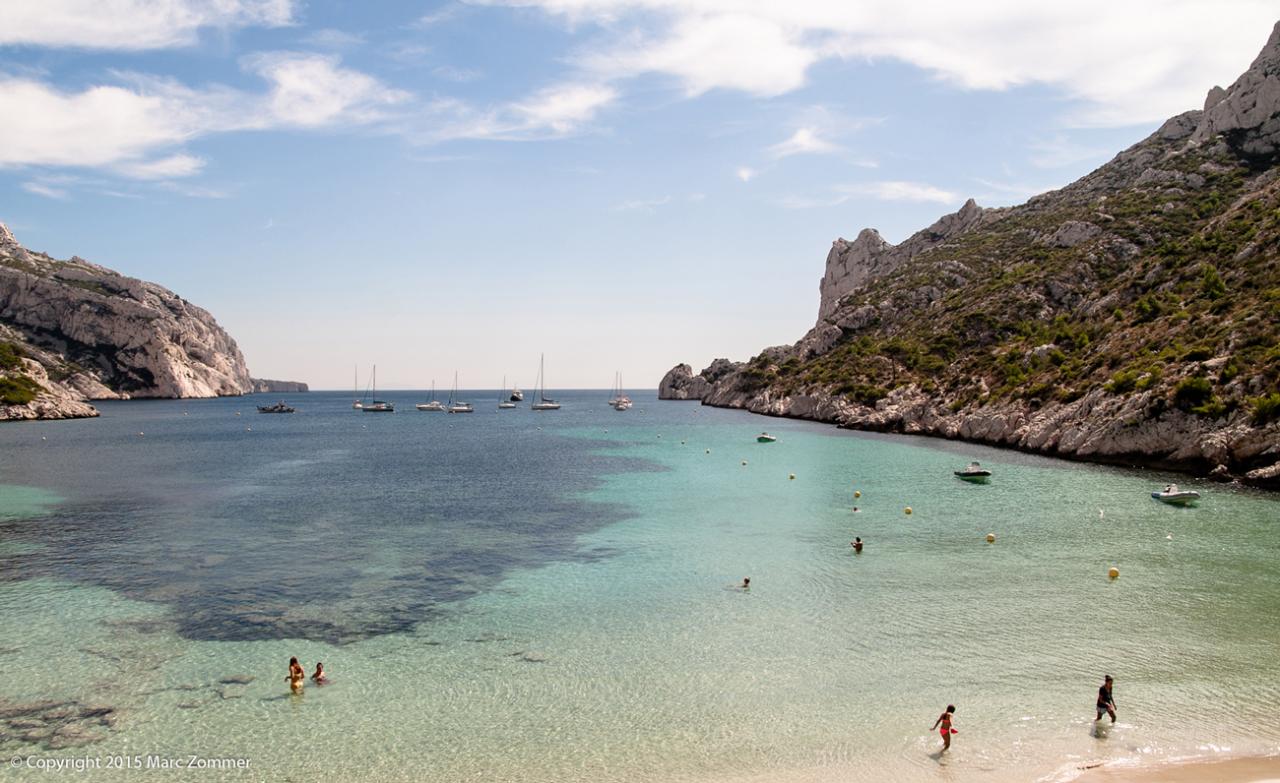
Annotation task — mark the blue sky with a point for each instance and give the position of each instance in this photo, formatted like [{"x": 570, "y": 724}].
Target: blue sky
[{"x": 622, "y": 184}]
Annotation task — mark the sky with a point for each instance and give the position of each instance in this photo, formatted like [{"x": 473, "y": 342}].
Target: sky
[{"x": 619, "y": 184}]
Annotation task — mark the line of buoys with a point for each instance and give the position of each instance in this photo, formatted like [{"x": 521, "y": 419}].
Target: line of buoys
[
  {"x": 991, "y": 538},
  {"x": 1114, "y": 573},
  {"x": 907, "y": 510}
]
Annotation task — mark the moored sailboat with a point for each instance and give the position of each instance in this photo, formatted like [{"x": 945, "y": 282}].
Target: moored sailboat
[
  {"x": 456, "y": 405},
  {"x": 376, "y": 405},
  {"x": 543, "y": 403},
  {"x": 434, "y": 405},
  {"x": 506, "y": 404}
]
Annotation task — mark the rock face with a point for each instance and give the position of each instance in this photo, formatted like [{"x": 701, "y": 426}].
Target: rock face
[
  {"x": 1129, "y": 317},
  {"x": 264, "y": 386},
  {"x": 99, "y": 334}
]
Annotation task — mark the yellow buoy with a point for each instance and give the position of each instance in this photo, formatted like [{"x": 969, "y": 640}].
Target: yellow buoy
[
  {"x": 1114, "y": 572},
  {"x": 907, "y": 510},
  {"x": 792, "y": 477},
  {"x": 857, "y": 493},
  {"x": 991, "y": 538}
]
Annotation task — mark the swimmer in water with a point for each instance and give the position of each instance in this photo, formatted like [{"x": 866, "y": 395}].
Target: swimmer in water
[
  {"x": 857, "y": 510},
  {"x": 857, "y": 545},
  {"x": 746, "y": 583},
  {"x": 945, "y": 720},
  {"x": 318, "y": 677},
  {"x": 297, "y": 677}
]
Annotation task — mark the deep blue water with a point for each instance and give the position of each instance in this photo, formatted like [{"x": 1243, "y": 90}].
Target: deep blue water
[{"x": 329, "y": 524}]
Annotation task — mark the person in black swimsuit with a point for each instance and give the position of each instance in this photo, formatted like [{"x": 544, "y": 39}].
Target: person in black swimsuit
[{"x": 1106, "y": 703}]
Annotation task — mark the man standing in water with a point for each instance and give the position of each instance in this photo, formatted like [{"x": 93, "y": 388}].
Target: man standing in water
[
  {"x": 1106, "y": 703},
  {"x": 945, "y": 720}
]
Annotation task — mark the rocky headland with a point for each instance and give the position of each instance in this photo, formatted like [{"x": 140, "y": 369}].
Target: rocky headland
[
  {"x": 72, "y": 331},
  {"x": 1131, "y": 317},
  {"x": 264, "y": 386}
]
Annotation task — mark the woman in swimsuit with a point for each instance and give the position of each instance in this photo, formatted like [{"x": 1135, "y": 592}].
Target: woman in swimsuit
[
  {"x": 297, "y": 677},
  {"x": 945, "y": 721},
  {"x": 318, "y": 678}
]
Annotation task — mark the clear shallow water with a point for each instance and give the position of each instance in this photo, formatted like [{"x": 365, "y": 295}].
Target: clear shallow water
[{"x": 499, "y": 602}]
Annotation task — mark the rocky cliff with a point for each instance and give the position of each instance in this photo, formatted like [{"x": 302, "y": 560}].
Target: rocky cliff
[
  {"x": 76, "y": 331},
  {"x": 264, "y": 386},
  {"x": 1132, "y": 316}
]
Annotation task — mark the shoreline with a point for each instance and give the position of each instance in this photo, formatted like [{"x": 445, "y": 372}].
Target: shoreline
[
  {"x": 1131, "y": 461},
  {"x": 1247, "y": 769}
]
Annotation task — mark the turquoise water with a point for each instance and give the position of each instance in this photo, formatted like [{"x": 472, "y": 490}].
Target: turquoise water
[{"x": 552, "y": 597}]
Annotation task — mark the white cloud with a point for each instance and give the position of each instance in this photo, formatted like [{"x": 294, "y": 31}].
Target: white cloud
[
  {"x": 452, "y": 74},
  {"x": 644, "y": 205},
  {"x": 552, "y": 112},
  {"x": 803, "y": 141},
  {"x": 564, "y": 107},
  {"x": 745, "y": 173},
  {"x": 131, "y": 24},
  {"x": 44, "y": 189},
  {"x": 1122, "y": 62},
  {"x": 329, "y": 38},
  {"x": 884, "y": 190},
  {"x": 133, "y": 128},
  {"x": 895, "y": 190}
]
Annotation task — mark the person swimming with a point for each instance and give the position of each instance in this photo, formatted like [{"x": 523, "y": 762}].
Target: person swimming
[
  {"x": 857, "y": 510},
  {"x": 318, "y": 677},
  {"x": 746, "y": 583},
  {"x": 945, "y": 720},
  {"x": 1106, "y": 702},
  {"x": 297, "y": 677},
  {"x": 857, "y": 545}
]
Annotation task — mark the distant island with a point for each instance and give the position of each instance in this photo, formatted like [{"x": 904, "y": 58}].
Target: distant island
[
  {"x": 1131, "y": 317},
  {"x": 264, "y": 386},
  {"x": 72, "y": 332}
]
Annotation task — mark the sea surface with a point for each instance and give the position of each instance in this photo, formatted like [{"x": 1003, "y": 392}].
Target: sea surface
[{"x": 553, "y": 596}]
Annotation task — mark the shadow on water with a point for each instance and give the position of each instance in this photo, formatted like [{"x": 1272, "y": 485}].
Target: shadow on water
[{"x": 330, "y": 527}]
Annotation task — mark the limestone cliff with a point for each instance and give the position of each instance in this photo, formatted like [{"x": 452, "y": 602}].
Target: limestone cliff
[
  {"x": 97, "y": 334},
  {"x": 264, "y": 386},
  {"x": 1132, "y": 316}
]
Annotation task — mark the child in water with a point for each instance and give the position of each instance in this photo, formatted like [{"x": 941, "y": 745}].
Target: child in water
[
  {"x": 857, "y": 545},
  {"x": 945, "y": 720},
  {"x": 318, "y": 677}
]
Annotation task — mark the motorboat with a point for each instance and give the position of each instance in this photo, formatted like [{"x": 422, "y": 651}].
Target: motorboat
[
  {"x": 765, "y": 437},
  {"x": 974, "y": 473},
  {"x": 279, "y": 407},
  {"x": 516, "y": 395},
  {"x": 1176, "y": 497}
]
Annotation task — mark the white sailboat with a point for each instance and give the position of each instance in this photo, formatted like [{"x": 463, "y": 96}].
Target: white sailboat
[
  {"x": 376, "y": 405},
  {"x": 355, "y": 387},
  {"x": 543, "y": 404},
  {"x": 620, "y": 401},
  {"x": 456, "y": 405},
  {"x": 505, "y": 404},
  {"x": 435, "y": 405}
]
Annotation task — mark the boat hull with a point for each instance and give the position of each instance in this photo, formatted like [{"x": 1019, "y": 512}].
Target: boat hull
[
  {"x": 1179, "y": 499},
  {"x": 974, "y": 478}
]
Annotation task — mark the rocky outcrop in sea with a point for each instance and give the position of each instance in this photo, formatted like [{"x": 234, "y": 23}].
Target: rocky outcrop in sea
[
  {"x": 76, "y": 331},
  {"x": 1130, "y": 317},
  {"x": 264, "y": 386}
]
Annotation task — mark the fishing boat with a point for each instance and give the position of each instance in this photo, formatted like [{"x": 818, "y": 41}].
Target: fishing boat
[
  {"x": 974, "y": 473},
  {"x": 505, "y": 404},
  {"x": 1176, "y": 497},
  {"x": 765, "y": 437},
  {"x": 435, "y": 406},
  {"x": 376, "y": 405},
  {"x": 543, "y": 404},
  {"x": 456, "y": 405},
  {"x": 355, "y": 387},
  {"x": 279, "y": 407}
]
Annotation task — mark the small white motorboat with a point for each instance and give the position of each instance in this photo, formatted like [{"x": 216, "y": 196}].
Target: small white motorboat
[
  {"x": 765, "y": 437},
  {"x": 434, "y": 405},
  {"x": 974, "y": 473},
  {"x": 1176, "y": 497}
]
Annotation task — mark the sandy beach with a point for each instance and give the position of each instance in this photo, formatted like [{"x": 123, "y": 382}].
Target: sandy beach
[{"x": 1249, "y": 770}]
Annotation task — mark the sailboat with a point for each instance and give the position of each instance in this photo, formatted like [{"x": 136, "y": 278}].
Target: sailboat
[
  {"x": 543, "y": 404},
  {"x": 456, "y": 405},
  {"x": 376, "y": 405},
  {"x": 621, "y": 402},
  {"x": 355, "y": 387},
  {"x": 615, "y": 391},
  {"x": 435, "y": 405},
  {"x": 505, "y": 404}
]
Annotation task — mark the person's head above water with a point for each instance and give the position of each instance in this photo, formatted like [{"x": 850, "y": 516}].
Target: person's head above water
[
  {"x": 951, "y": 708},
  {"x": 858, "y": 539},
  {"x": 319, "y": 666},
  {"x": 746, "y": 580},
  {"x": 1107, "y": 679},
  {"x": 293, "y": 661}
]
